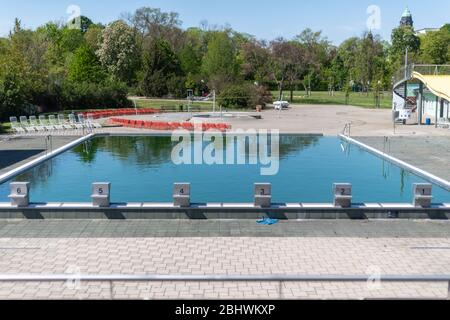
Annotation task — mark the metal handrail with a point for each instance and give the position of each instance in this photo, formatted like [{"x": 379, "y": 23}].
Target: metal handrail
[
  {"x": 405, "y": 73},
  {"x": 348, "y": 127},
  {"x": 224, "y": 278},
  {"x": 221, "y": 278}
]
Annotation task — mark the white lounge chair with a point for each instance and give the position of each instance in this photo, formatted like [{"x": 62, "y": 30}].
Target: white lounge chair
[
  {"x": 54, "y": 123},
  {"x": 73, "y": 121},
  {"x": 26, "y": 125},
  {"x": 46, "y": 124},
  {"x": 92, "y": 122},
  {"x": 15, "y": 126},
  {"x": 82, "y": 121},
  {"x": 280, "y": 105},
  {"x": 63, "y": 123},
  {"x": 34, "y": 123}
]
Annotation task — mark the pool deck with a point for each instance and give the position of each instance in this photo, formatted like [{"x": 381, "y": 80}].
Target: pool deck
[
  {"x": 18, "y": 151},
  {"x": 328, "y": 120},
  {"x": 224, "y": 248},
  {"x": 239, "y": 247},
  {"x": 429, "y": 153}
]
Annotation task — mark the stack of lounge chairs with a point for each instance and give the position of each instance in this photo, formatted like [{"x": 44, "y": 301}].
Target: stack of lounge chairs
[{"x": 53, "y": 124}]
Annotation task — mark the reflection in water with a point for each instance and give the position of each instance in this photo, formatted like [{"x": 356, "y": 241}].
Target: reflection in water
[
  {"x": 294, "y": 144},
  {"x": 346, "y": 148},
  {"x": 385, "y": 169},
  {"x": 138, "y": 150},
  {"x": 140, "y": 169},
  {"x": 154, "y": 150},
  {"x": 404, "y": 175},
  {"x": 386, "y": 172},
  {"x": 87, "y": 150},
  {"x": 38, "y": 176}
]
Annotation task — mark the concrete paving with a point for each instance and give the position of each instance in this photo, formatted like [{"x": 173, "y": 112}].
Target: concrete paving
[
  {"x": 430, "y": 153},
  {"x": 16, "y": 151},
  {"x": 385, "y": 248},
  {"x": 364, "y": 229},
  {"x": 323, "y": 119}
]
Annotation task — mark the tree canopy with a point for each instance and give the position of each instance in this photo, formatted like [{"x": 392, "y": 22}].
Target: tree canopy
[{"x": 148, "y": 53}]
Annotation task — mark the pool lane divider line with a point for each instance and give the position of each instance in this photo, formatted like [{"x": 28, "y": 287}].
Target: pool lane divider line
[
  {"x": 419, "y": 172},
  {"x": 14, "y": 172}
]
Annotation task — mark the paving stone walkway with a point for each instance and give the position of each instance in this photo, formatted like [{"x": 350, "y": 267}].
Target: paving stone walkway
[{"x": 388, "y": 247}]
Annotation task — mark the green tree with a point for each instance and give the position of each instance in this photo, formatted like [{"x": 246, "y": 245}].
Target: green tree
[
  {"x": 256, "y": 61},
  {"x": 160, "y": 64},
  {"x": 93, "y": 36},
  {"x": 71, "y": 39},
  {"x": 435, "y": 47},
  {"x": 117, "y": 51},
  {"x": 369, "y": 61},
  {"x": 361, "y": 61},
  {"x": 86, "y": 67},
  {"x": 219, "y": 64},
  {"x": 14, "y": 83},
  {"x": 190, "y": 59},
  {"x": 404, "y": 38},
  {"x": 85, "y": 24},
  {"x": 317, "y": 57},
  {"x": 288, "y": 62},
  {"x": 446, "y": 27}
]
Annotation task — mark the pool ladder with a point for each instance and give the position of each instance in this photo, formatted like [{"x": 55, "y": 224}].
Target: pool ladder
[
  {"x": 347, "y": 129},
  {"x": 48, "y": 144}
]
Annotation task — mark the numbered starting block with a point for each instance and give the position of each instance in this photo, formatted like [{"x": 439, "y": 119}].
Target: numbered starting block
[
  {"x": 342, "y": 195},
  {"x": 20, "y": 194},
  {"x": 101, "y": 194},
  {"x": 182, "y": 195},
  {"x": 263, "y": 195},
  {"x": 423, "y": 195}
]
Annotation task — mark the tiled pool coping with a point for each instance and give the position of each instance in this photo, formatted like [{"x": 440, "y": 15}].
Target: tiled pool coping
[
  {"x": 223, "y": 211},
  {"x": 143, "y": 210}
]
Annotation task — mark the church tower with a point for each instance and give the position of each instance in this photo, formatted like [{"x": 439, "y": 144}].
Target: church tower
[{"x": 407, "y": 19}]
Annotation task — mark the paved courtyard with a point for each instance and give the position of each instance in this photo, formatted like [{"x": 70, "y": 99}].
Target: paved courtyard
[
  {"x": 323, "y": 119},
  {"x": 307, "y": 248}
]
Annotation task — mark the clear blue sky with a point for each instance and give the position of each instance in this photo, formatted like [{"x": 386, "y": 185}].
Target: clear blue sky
[{"x": 266, "y": 19}]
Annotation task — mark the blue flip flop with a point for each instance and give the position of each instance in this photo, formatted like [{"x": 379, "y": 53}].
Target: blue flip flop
[{"x": 267, "y": 221}]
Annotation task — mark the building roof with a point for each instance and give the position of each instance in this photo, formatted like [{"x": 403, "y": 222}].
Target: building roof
[{"x": 406, "y": 13}]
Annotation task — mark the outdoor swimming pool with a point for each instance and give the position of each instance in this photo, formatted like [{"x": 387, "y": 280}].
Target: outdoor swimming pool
[{"x": 140, "y": 169}]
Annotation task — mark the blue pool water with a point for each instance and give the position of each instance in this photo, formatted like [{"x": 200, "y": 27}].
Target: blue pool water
[{"x": 140, "y": 170}]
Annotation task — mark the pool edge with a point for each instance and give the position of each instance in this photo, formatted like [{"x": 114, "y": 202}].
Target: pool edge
[
  {"x": 400, "y": 163},
  {"x": 33, "y": 163}
]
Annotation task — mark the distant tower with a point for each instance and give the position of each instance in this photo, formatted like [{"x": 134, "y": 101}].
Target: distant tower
[{"x": 407, "y": 19}]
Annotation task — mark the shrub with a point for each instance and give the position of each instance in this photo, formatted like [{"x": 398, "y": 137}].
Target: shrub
[
  {"x": 176, "y": 87},
  {"x": 244, "y": 96},
  {"x": 94, "y": 96},
  {"x": 12, "y": 96}
]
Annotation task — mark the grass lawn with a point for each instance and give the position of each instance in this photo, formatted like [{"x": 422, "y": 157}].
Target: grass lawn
[
  {"x": 321, "y": 97},
  {"x": 160, "y": 103}
]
